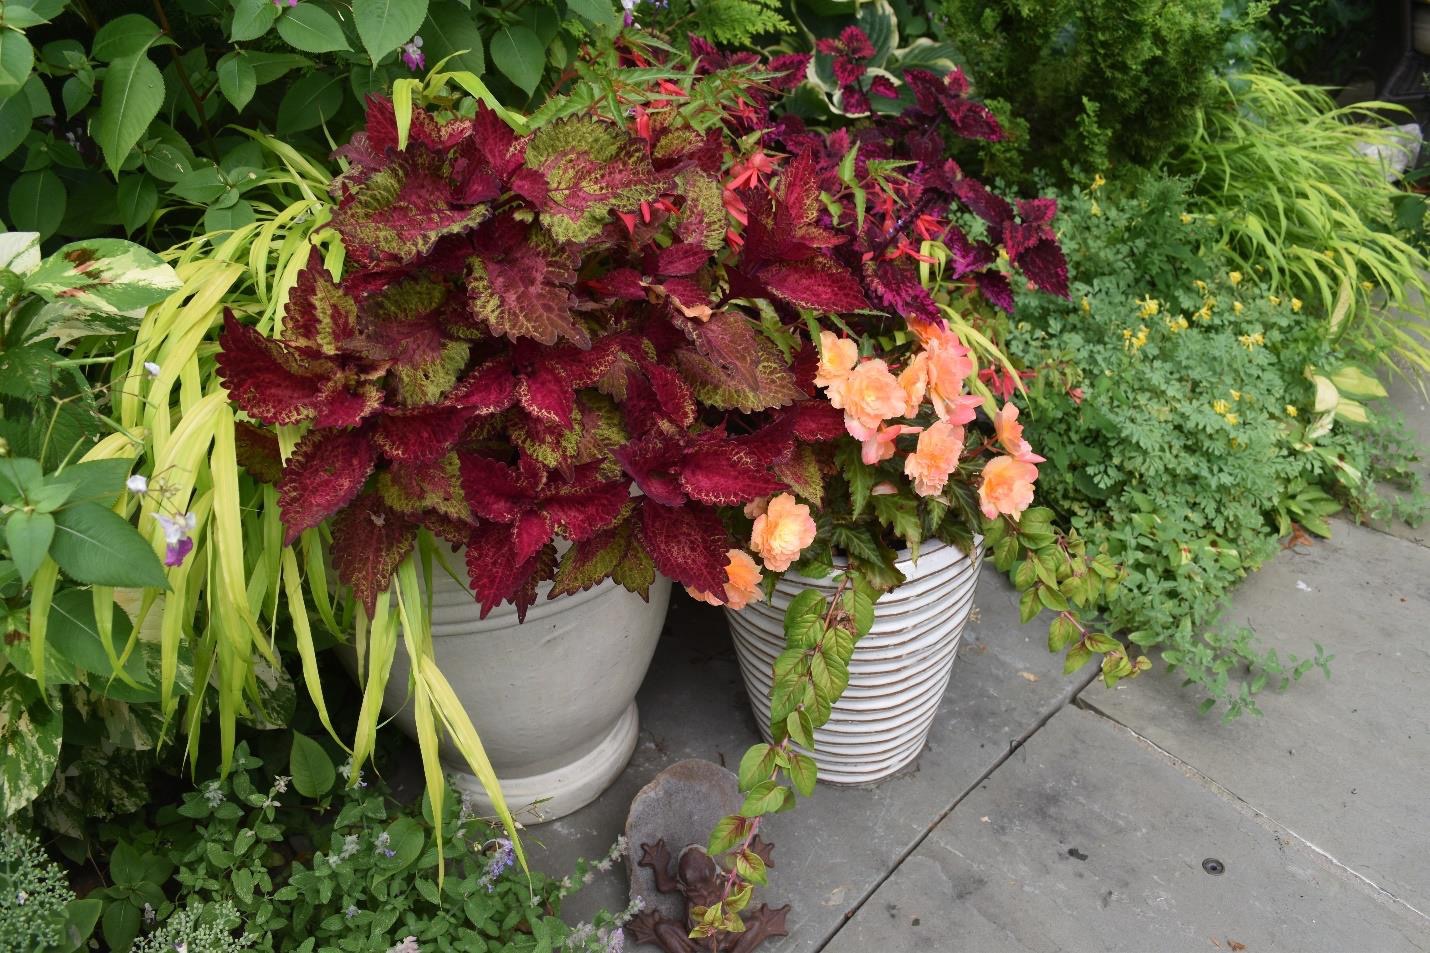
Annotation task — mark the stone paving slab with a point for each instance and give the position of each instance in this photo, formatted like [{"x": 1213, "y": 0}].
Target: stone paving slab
[
  {"x": 1089, "y": 839},
  {"x": 837, "y": 845},
  {"x": 1343, "y": 763},
  {"x": 1408, "y": 396}
]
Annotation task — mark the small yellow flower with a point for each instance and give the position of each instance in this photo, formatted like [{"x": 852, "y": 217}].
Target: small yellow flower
[
  {"x": 1177, "y": 324},
  {"x": 1186, "y": 219},
  {"x": 1098, "y": 182},
  {"x": 1096, "y": 210},
  {"x": 1295, "y": 304},
  {"x": 1201, "y": 285},
  {"x": 1250, "y": 341},
  {"x": 1220, "y": 406},
  {"x": 1236, "y": 307},
  {"x": 1150, "y": 306},
  {"x": 1291, "y": 410},
  {"x": 1275, "y": 300},
  {"x": 1368, "y": 285},
  {"x": 1086, "y": 306},
  {"x": 1232, "y": 419},
  {"x": 1134, "y": 342},
  {"x": 1328, "y": 255},
  {"x": 1236, "y": 395},
  {"x": 1234, "y": 277}
]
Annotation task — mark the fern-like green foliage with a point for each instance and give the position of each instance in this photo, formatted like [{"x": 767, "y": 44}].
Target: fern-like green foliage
[
  {"x": 1277, "y": 171},
  {"x": 1099, "y": 82},
  {"x": 726, "y": 22}
]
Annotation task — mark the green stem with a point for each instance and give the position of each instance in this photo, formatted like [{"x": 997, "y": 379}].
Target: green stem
[{"x": 182, "y": 72}]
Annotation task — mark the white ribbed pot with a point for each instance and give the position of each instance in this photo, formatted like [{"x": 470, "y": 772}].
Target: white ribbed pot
[
  {"x": 897, "y": 675},
  {"x": 552, "y": 698}
]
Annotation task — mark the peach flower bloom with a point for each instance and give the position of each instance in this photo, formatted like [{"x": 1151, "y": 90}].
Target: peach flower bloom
[
  {"x": 757, "y": 506},
  {"x": 1007, "y": 487},
  {"x": 881, "y": 447},
  {"x": 914, "y": 380},
  {"x": 935, "y": 458},
  {"x": 949, "y": 365},
  {"x": 1010, "y": 435},
  {"x": 782, "y": 532},
  {"x": 837, "y": 357},
  {"x": 868, "y": 397},
  {"x": 742, "y": 584}
]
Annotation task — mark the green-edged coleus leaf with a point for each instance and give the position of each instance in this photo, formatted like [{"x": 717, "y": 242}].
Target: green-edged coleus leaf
[{"x": 733, "y": 366}]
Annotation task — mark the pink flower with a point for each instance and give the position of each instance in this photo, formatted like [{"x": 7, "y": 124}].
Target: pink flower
[
  {"x": 949, "y": 366},
  {"x": 742, "y": 584},
  {"x": 782, "y": 532},
  {"x": 914, "y": 380},
  {"x": 868, "y": 397},
  {"x": 881, "y": 446},
  {"x": 1010, "y": 435},
  {"x": 412, "y": 53},
  {"x": 1007, "y": 487},
  {"x": 935, "y": 458}
]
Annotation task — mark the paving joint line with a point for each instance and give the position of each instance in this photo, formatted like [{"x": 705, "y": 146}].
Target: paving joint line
[
  {"x": 898, "y": 862},
  {"x": 1257, "y": 814}
]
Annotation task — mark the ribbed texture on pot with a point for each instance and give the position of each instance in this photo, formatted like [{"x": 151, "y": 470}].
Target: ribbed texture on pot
[{"x": 897, "y": 675}]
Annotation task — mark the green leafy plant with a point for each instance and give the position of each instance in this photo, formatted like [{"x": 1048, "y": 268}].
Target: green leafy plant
[
  {"x": 1276, "y": 170},
  {"x": 1105, "y": 84},
  {"x": 67, "y": 542},
  {"x": 1190, "y": 416},
  {"x": 38, "y": 911},
  {"x": 119, "y": 115},
  {"x": 303, "y": 862}
]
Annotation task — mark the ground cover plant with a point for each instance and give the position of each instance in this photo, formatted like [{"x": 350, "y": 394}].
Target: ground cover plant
[{"x": 1235, "y": 421}]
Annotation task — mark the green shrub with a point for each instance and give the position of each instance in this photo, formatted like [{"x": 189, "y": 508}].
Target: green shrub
[
  {"x": 1185, "y": 427},
  {"x": 120, "y": 113},
  {"x": 1104, "y": 82},
  {"x": 1277, "y": 174}
]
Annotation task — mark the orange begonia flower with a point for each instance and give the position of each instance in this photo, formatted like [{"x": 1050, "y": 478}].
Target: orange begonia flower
[
  {"x": 1007, "y": 487},
  {"x": 782, "y": 532},
  {"x": 868, "y": 397},
  {"x": 742, "y": 585},
  {"x": 935, "y": 458},
  {"x": 1010, "y": 435}
]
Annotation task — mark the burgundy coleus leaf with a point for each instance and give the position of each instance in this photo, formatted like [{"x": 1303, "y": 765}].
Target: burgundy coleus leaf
[
  {"x": 282, "y": 384},
  {"x": 800, "y": 472},
  {"x": 319, "y": 314},
  {"x": 722, "y": 472},
  {"x": 1033, "y": 245},
  {"x": 967, "y": 256},
  {"x": 370, "y": 540},
  {"x": 938, "y": 97},
  {"x": 884, "y": 87},
  {"x": 548, "y": 378},
  {"x": 993, "y": 209},
  {"x": 815, "y": 282},
  {"x": 392, "y": 216},
  {"x": 586, "y": 505},
  {"x": 420, "y": 434},
  {"x": 525, "y": 293},
  {"x": 995, "y": 287},
  {"x": 327, "y": 470},
  {"x": 899, "y": 291},
  {"x": 498, "y": 491},
  {"x": 789, "y": 69},
  {"x": 1045, "y": 267},
  {"x": 814, "y": 421},
  {"x": 497, "y": 575},
  {"x": 687, "y": 543},
  {"x": 733, "y": 366},
  {"x": 652, "y": 460},
  {"x": 257, "y": 452},
  {"x": 488, "y": 389}
]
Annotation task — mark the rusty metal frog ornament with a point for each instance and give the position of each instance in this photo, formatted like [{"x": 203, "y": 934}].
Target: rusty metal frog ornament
[{"x": 697, "y": 879}]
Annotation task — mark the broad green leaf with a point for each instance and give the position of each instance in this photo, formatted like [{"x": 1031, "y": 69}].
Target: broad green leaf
[
  {"x": 200, "y": 186},
  {"x": 75, "y": 636},
  {"x": 28, "y": 536},
  {"x": 17, "y": 56},
  {"x": 450, "y": 30},
  {"x": 520, "y": 55},
  {"x": 251, "y": 19},
  {"x": 405, "y": 839},
  {"x": 15, "y": 119},
  {"x": 268, "y": 67},
  {"x": 80, "y": 918},
  {"x": 95, "y": 481},
  {"x": 106, "y": 274},
  {"x": 124, "y": 36},
  {"x": 237, "y": 215},
  {"x": 38, "y": 95},
  {"x": 309, "y": 102},
  {"x": 312, "y": 29},
  {"x": 755, "y": 766},
  {"x": 94, "y": 546},
  {"x": 30, "y": 737},
  {"x": 237, "y": 79},
  {"x": 166, "y": 163},
  {"x": 803, "y": 772},
  {"x": 131, "y": 96},
  {"x": 20, "y": 16},
  {"x": 599, "y": 12},
  {"x": 76, "y": 94},
  {"x": 37, "y": 202},
  {"x": 312, "y": 769},
  {"x": 384, "y": 25},
  {"x": 726, "y": 834},
  {"x": 137, "y": 197}
]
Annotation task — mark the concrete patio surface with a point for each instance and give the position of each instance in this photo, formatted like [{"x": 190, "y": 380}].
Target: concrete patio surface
[{"x": 1050, "y": 813}]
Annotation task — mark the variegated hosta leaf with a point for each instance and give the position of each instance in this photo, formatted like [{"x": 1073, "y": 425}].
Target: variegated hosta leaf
[
  {"x": 102, "y": 782},
  {"x": 105, "y": 274},
  {"x": 30, "y": 736}
]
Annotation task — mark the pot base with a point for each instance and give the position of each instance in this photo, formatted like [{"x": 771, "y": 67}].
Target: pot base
[{"x": 566, "y": 789}]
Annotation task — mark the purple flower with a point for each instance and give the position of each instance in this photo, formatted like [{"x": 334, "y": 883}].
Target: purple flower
[
  {"x": 279, "y": 3},
  {"x": 176, "y": 536},
  {"x": 502, "y": 860},
  {"x": 412, "y": 53}
]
